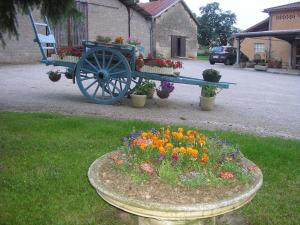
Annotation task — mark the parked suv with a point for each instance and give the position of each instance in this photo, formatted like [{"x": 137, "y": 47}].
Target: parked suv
[{"x": 223, "y": 54}]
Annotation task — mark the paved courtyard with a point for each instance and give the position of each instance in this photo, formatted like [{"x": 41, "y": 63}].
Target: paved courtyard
[{"x": 262, "y": 103}]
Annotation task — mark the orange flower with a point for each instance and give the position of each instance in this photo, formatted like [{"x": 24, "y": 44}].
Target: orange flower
[
  {"x": 204, "y": 157},
  {"x": 201, "y": 142},
  {"x": 169, "y": 145},
  {"x": 191, "y": 132},
  {"x": 143, "y": 146},
  {"x": 190, "y": 138},
  {"x": 193, "y": 152},
  {"x": 162, "y": 150},
  {"x": 166, "y": 136},
  {"x": 175, "y": 151}
]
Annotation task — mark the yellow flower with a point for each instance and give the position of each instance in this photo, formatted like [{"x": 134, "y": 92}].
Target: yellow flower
[
  {"x": 144, "y": 135},
  {"x": 175, "y": 151},
  {"x": 162, "y": 150},
  {"x": 182, "y": 150},
  {"x": 204, "y": 148},
  {"x": 180, "y": 130},
  {"x": 169, "y": 145}
]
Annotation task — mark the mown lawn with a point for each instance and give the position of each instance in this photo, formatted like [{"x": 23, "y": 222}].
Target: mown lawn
[
  {"x": 203, "y": 57},
  {"x": 44, "y": 160}
]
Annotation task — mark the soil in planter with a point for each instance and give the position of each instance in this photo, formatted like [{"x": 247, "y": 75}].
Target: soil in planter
[{"x": 154, "y": 190}]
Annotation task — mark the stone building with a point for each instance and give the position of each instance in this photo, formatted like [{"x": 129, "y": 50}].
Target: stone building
[
  {"x": 174, "y": 28},
  {"x": 276, "y": 37},
  {"x": 159, "y": 25}
]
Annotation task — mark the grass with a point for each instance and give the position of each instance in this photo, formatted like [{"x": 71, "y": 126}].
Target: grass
[
  {"x": 44, "y": 160},
  {"x": 203, "y": 57}
]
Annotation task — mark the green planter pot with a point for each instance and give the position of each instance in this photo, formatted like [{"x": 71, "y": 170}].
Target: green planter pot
[{"x": 207, "y": 103}]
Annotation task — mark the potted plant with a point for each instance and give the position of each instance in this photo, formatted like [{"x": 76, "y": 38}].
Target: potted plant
[
  {"x": 139, "y": 96},
  {"x": 133, "y": 41},
  {"x": 211, "y": 75},
  {"x": 149, "y": 86},
  {"x": 261, "y": 66},
  {"x": 103, "y": 39},
  {"x": 208, "y": 96},
  {"x": 119, "y": 40},
  {"x": 158, "y": 66},
  {"x": 165, "y": 89},
  {"x": 177, "y": 65},
  {"x": 54, "y": 75},
  {"x": 154, "y": 163}
]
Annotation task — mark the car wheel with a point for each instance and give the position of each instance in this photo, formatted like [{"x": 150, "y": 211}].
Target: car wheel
[
  {"x": 212, "y": 62},
  {"x": 227, "y": 61}
]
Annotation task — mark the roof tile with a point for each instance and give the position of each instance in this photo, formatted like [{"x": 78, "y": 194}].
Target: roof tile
[
  {"x": 157, "y": 7},
  {"x": 291, "y": 6}
]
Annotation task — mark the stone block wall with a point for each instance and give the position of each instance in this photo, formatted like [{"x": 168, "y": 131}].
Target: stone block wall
[
  {"x": 23, "y": 50},
  {"x": 178, "y": 22},
  {"x": 107, "y": 18}
]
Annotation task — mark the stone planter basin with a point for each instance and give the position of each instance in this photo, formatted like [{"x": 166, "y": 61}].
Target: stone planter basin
[{"x": 157, "y": 213}]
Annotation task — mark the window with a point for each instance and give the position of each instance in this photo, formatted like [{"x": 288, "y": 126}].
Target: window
[{"x": 259, "y": 47}]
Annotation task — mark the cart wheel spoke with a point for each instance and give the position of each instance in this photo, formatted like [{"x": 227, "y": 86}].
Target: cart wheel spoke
[
  {"x": 119, "y": 72},
  {"x": 114, "y": 66},
  {"x": 103, "y": 75},
  {"x": 95, "y": 92},
  {"x": 88, "y": 70},
  {"x": 88, "y": 87},
  {"x": 103, "y": 59},
  {"x": 115, "y": 87},
  {"x": 110, "y": 60},
  {"x": 92, "y": 65},
  {"x": 97, "y": 61}
]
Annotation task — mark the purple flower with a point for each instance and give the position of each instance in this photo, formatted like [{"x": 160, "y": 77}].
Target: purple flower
[
  {"x": 161, "y": 157},
  {"x": 175, "y": 157}
]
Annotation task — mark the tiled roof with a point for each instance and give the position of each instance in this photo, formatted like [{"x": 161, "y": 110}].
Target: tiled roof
[
  {"x": 157, "y": 7},
  {"x": 261, "y": 26},
  {"x": 291, "y": 6}
]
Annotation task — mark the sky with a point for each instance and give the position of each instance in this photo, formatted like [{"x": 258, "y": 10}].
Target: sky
[{"x": 248, "y": 12}]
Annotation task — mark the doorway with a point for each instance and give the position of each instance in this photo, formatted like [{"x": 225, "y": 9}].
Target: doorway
[{"x": 178, "y": 46}]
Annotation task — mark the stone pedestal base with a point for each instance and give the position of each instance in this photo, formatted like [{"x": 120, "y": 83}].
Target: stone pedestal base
[{"x": 151, "y": 221}]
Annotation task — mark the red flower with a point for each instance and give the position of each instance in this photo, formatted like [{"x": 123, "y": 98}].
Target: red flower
[
  {"x": 252, "y": 168},
  {"x": 227, "y": 175},
  {"x": 147, "y": 167}
]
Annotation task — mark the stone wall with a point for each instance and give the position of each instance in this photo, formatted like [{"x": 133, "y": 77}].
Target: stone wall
[
  {"x": 140, "y": 29},
  {"x": 176, "y": 21},
  {"x": 105, "y": 17},
  {"x": 23, "y": 50}
]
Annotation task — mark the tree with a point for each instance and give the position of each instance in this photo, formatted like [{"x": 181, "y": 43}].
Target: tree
[
  {"x": 55, "y": 10},
  {"x": 216, "y": 25}
]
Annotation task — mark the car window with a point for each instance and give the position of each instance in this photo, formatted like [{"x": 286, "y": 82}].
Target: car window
[{"x": 217, "y": 49}]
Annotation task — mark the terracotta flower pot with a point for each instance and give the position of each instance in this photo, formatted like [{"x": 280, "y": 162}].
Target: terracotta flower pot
[
  {"x": 207, "y": 103},
  {"x": 138, "y": 101}
]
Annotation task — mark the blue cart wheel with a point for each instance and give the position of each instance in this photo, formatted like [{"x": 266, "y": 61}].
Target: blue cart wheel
[{"x": 103, "y": 75}]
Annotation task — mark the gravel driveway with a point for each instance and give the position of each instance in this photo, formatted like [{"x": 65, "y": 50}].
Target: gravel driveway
[{"x": 262, "y": 103}]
